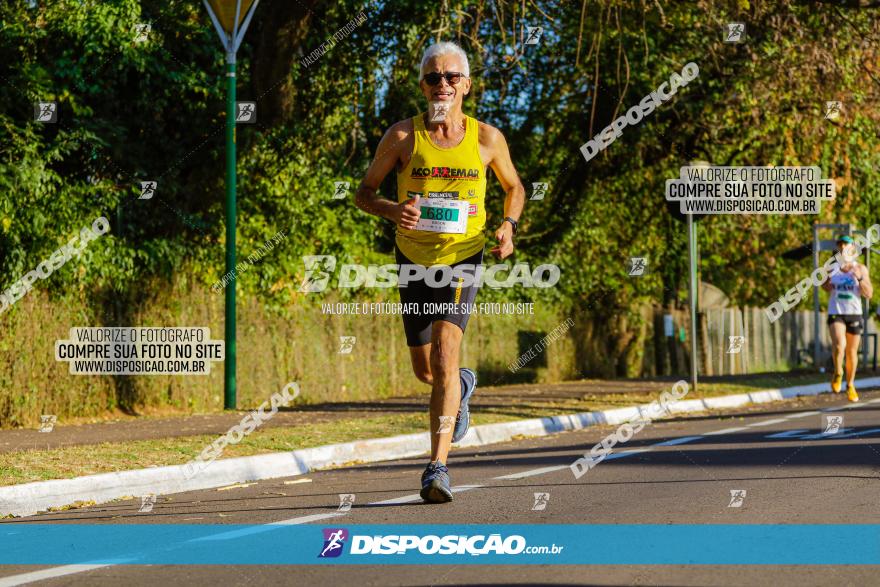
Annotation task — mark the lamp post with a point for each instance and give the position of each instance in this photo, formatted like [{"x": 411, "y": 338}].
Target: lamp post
[
  {"x": 693, "y": 290},
  {"x": 231, "y": 19}
]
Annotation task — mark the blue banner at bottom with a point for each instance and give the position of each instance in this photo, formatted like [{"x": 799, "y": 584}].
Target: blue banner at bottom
[{"x": 501, "y": 544}]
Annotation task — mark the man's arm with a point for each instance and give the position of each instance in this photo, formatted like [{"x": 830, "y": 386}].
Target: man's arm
[
  {"x": 513, "y": 187},
  {"x": 366, "y": 197},
  {"x": 866, "y": 288}
]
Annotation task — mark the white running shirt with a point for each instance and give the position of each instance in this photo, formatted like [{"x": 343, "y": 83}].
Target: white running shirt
[{"x": 846, "y": 297}]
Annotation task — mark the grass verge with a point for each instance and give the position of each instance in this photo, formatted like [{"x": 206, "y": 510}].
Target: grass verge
[{"x": 25, "y": 466}]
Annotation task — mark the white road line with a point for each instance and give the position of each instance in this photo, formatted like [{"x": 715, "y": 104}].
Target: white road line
[
  {"x": 802, "y": 415},
  {"x": 417, "y": 497},
  {"x": 461, "y": 488},
  {"x": 531, "y": 473},
  {"x": 767, "y": 422},
  {"x": 627, "y": 453},
  {"x": 316, "y": 517},
  {"x": 725, "y": 431},
  {"x": 853, "y": 406},
  {"x": 267, "y": 527},
  {"x": 554, "y": 468},
  {"x": 788, "y": 433},
  {"x": 397, "y": 500},
  {"x": 48, "y": 574},
  {"x": 676, "y": 441}
]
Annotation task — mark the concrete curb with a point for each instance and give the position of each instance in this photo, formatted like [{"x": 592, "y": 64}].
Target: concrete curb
[{"x": 30, "y": 498}]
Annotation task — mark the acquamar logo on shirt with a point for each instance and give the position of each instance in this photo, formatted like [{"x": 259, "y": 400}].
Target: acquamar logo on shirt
[
  {"x": 845, "y": 283},
  {"x": 445, "y": 173}
]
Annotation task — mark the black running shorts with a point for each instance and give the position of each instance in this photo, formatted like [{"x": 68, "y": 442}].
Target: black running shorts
[
  {"x": 854, "y": 322},
  {"x": 424, "y": 304}
]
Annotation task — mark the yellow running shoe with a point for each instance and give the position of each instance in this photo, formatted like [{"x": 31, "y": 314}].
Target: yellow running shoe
[
  {"x": 851, "y": 394},
  {"x": 836, "y": 383}
]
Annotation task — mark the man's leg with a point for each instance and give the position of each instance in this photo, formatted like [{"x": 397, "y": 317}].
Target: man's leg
[
  {"x": 852, "y": 361},
  {"x": 420, "y": 357},
  {"x": 446, "y": 386},
  {"x": 852, "y": 356},
  {"x": 838, "y": 348}
]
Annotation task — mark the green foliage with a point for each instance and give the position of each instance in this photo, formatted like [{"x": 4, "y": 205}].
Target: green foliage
[{"x": 133, "y": 111}]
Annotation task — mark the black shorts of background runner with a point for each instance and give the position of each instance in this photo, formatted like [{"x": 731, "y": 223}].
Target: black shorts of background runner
[
  {"x": 853, "y": 322},
  {"x": 417, "y": 294}
]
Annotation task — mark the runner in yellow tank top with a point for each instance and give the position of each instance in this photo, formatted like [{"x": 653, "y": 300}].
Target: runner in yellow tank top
[
  {"x": 441, "y": 158},
  {"x": 456, "y": 174}
]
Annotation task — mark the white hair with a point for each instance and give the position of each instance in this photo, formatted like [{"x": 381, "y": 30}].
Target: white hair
[{"x": 445, "y": 48}]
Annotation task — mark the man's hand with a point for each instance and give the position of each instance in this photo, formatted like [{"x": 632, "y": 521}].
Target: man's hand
[
  {"x": 407, "y": 214},
  {"x": 504, "y": 236}
]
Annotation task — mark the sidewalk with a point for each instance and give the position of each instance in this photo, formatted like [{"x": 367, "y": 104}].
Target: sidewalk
[{"x": 513, "y": 401}]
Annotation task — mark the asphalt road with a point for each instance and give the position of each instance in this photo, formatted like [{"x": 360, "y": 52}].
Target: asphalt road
[{"x": 679, "y": 471}]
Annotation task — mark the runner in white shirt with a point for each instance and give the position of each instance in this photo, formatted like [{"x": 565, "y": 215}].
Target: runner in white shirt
[{"x": 847, "y": 284}]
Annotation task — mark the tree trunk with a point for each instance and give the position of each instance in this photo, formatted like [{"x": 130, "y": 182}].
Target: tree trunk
[{"x": 279, "y": 42}]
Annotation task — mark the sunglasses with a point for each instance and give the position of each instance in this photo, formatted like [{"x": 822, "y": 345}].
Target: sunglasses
[{"x": 452, "y": 77}]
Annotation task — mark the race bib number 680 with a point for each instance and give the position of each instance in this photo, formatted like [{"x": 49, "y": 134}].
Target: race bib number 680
[{"x": 443, "y": 215}]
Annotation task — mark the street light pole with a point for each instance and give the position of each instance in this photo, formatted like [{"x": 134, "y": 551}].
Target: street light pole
[
  {"x": 229, "y": 390},
  {"x": 227, "y": 17},
  {"x": 693, "y": 293},
  {"x": 694, "y": 282}
]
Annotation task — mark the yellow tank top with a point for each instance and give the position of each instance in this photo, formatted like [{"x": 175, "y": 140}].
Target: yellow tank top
[{"x": 437, "y": 173}]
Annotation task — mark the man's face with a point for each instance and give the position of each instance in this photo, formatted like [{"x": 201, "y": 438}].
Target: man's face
[
  {"x": 847, "y": 251},
  {"x": 444, "y": 92}
]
